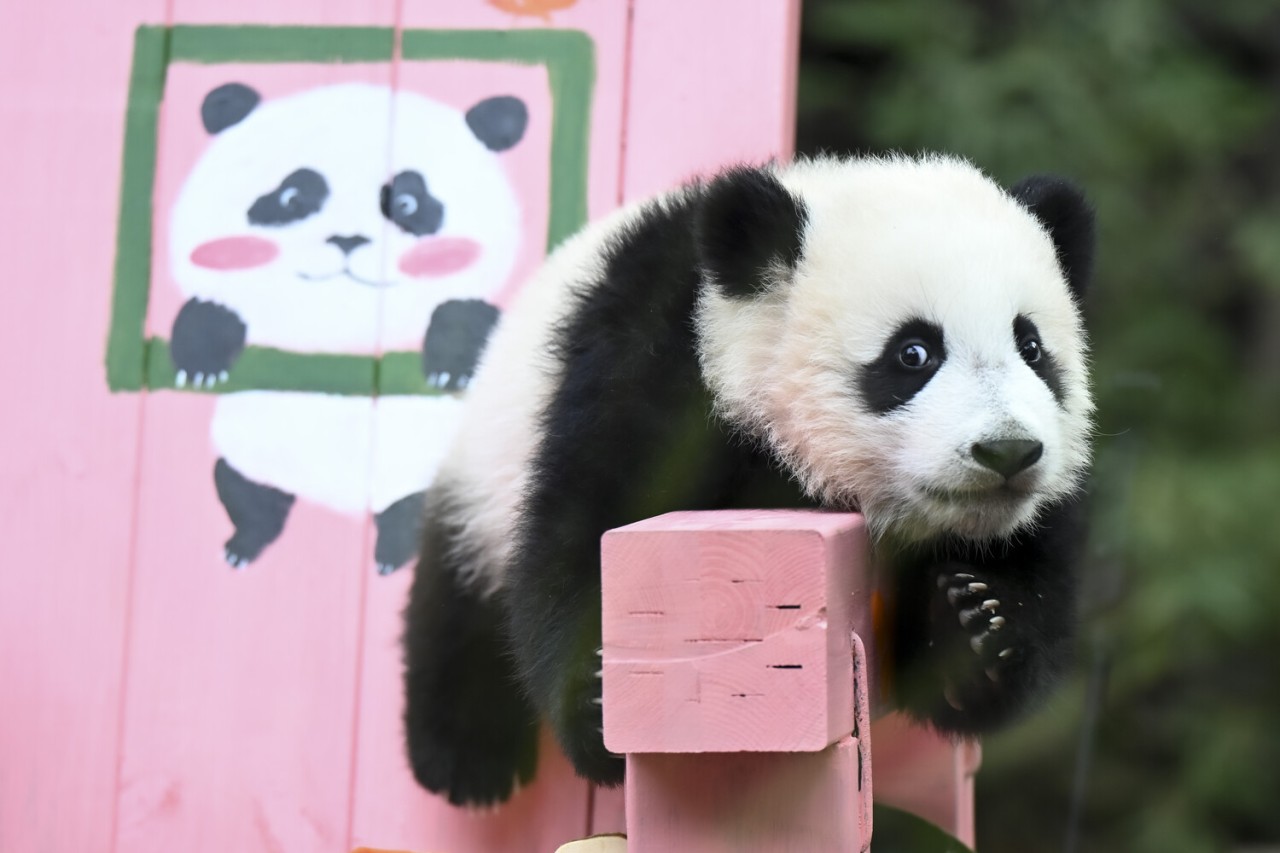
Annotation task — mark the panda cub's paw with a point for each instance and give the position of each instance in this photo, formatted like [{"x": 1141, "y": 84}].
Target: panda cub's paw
[
  {"x": 206, "y": 340},
  {"x": 977, "y": 644},
  {"x": 580, "y": 726}
]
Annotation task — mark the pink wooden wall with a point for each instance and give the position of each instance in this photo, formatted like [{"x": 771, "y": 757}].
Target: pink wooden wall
[{"x": 154, "y": 699}]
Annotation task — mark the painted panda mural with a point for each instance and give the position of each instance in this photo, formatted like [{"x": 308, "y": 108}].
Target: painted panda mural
[
  {"x": 292, "y": 232},
  {"x": 897, "y": 336}
]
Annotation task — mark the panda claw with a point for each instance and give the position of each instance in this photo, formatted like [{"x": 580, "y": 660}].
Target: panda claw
[
  {"x": 993, "y": 674},
  {"x": 444, "y": 380},
  {"x": 990, "y": 604},
  {"x": 180, "y": 379},
  {"x": 996, "y": 623},
  {"x": 977, "y": 586},
  {"x": 222, "y": 377},
  {"x": 1006, "y": 654},
  {"x": 964, "y": 576}
]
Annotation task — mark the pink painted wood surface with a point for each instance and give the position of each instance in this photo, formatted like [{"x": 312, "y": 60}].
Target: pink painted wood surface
[
  {"x": 228, "y": 711},
  {"x": 920, "y": 771},
  {"x": 729, "y": 631},
  {"x": 388, "y": 807},
  {"x": 746, "y": 802},
  {"x": 241, "y": 693},
  {"x": 68, "y": 471},
  {"x": 712, "y": 83}
]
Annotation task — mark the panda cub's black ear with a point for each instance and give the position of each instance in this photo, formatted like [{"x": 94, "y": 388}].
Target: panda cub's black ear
[
  {"x": 1062, "y": 208},
  {"x": 227, "y": 105},
  {"x": 747, "y": 225}
]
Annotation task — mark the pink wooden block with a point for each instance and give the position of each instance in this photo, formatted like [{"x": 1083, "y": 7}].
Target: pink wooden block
[
  {"x": 728, "y": 631},
  {"x": 748, "y": 802}
]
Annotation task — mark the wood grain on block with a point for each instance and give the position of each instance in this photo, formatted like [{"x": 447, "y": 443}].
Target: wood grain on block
[
  {"x": 926, "y": 774},
  {"x": 727, "y": 631},
  {"x": 747, "y": 802}
]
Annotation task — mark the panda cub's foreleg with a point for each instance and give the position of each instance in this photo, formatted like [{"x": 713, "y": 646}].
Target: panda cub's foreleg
[
  {"x": 471, "y": 733},
  {"x": 984, "y": 631}
]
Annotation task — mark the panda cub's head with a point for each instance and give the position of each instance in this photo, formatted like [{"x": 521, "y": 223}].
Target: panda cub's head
[
  {"x": 340, "y": 216},
  {"x": 905, "y": 334}
]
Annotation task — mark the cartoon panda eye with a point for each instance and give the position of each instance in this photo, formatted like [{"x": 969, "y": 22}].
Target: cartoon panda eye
[
  {"x": 287, "y": 195},
  {"x": 914, "y": 355},
  {"x": 405, "y": 204},
  {"x": 1030, "y": 350}
]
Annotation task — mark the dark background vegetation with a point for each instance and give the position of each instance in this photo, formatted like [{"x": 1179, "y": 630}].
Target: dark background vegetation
[{"x": 1168, "y": 113}]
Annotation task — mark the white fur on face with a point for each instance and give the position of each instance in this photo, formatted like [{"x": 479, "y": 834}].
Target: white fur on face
[
  {"x": 309, "y": 296},
  {"x": 889, "y": 241}
]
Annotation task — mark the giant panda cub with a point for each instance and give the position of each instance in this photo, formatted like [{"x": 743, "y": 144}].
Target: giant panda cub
[{"x": 896, "y": 336}]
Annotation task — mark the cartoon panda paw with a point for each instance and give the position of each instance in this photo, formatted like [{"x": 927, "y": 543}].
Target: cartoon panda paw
[
  {"x": 456, "y": 336},
  {"x": 976, "y": 639},
  {"x": 205, "y": 342}
]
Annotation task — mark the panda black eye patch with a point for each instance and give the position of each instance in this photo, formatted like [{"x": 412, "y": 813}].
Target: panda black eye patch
[
  {"x": 299, "y": 195},
  {"x": 406, "y": 201},
  {"x": 910, "y": 358},
  {"x": 1026, "y": 338}
]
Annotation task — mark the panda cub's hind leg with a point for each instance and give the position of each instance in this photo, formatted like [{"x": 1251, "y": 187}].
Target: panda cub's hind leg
[{"x": 471, "y": 733}]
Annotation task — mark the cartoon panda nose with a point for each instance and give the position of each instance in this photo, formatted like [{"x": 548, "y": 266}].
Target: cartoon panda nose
[
  {"x": 1007, "y": 456},
  {"x": 347, "y": 245}
]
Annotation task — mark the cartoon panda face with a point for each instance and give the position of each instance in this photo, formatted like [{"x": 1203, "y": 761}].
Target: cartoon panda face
[{"x": 337, "y": 219}]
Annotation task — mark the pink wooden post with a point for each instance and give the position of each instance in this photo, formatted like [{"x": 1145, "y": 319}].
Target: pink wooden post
[{"x": 734, "y": 677}]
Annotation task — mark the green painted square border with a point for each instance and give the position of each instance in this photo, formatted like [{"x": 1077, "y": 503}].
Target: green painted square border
[{"x": 134, "y": 361}]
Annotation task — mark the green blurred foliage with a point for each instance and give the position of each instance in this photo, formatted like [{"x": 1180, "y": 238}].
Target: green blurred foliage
[{"x": 1168, "y": 113}]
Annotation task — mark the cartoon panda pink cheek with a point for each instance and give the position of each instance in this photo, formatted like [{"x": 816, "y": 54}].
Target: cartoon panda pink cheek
[
  {"x": 228, "y": 254},
  {"x": 435, "y": 257}
]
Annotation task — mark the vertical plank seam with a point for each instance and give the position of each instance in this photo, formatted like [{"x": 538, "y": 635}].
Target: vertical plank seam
[
  {"x": 362, "y": 611},
  {"x": 135, "y": 505},
  {"x": 626, "y": 102}
]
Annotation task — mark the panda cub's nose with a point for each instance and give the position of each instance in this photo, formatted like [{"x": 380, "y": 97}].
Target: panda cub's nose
[
  {"x": 1007, "y": 456},
  {"x": 347, "y": 245}
]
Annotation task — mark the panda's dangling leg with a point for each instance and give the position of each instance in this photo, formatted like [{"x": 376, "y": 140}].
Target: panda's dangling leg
[
  {"x": 398, "y": 527},
  {"x": 471, "y": 733},
  {"x": 257, "y": 512}
]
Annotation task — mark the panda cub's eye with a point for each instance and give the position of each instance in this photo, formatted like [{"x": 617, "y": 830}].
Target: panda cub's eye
[
  {"x": 914, "y": 355},
  {"x": 1029, "y": 349}
]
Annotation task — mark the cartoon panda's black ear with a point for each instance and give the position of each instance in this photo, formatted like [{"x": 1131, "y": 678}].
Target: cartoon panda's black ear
[
  {"x": 1062, "y": 208},
  {"x": 748, "y": 228},
  {"x": 227, "y": 105},
  {"x": 499, "y": 122}
]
